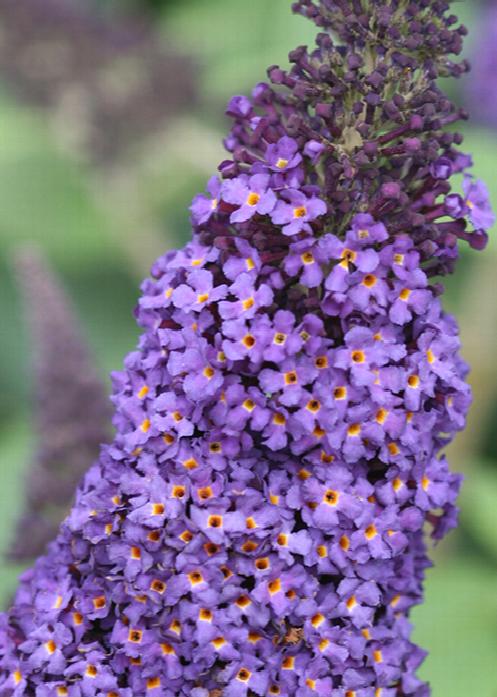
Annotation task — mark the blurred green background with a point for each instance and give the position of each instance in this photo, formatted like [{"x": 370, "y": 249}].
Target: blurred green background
[{"x": 102, "y": 223}]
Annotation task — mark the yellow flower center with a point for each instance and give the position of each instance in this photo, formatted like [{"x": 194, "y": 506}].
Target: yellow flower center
[
  {"x": 369, "y": 280},
  {"x": 253, "y": 198},
  {"x": 307, "y": 258},
  {"x": 135, "y": 636},
  {"x": 290, "y": 378},
  {"x": 331, "y": 497},
  {"x": 248, "y": 341},
  {"x": 370, "y": 532},
  {"x": 358, "y": 356},
  {"x": 243, "y": 675},
  {"x": 413, "y": 381},
  {"x": 321, "y": 362}
]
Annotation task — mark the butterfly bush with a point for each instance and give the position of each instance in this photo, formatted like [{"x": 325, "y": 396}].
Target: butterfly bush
[{"x": 257, "y": 526}]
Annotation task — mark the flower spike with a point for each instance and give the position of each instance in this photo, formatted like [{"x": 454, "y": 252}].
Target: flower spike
[
  {"x": 257, "y": 526},
  {"x": 71, "y": 411}
]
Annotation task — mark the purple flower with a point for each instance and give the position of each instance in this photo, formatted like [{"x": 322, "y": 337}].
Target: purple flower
[
  {"x": 203, "y": 207},
  {"x": 198, "y": 367},
  {"x": 306, "y": 258},
  {"x": 243, "y": 341},
  {"x": 249, "y": 298},
  {"x": 283, "y": 155},
  {"x": 351, "y": 254},
  {"x": 442, "y": 168},
  {"x": 239, "y": 107},
  {"x": 288, "y": 381},
  {"x": 198, "y": 292},
  {"x": 479, "y": 90},
  {"x": 296, "y": 211},
  {"x": 404, "y": 261},
  {"x": 251, "y": 194},
  {"x": 455, "y": 206},
  {"x": 361, "y": 355},
  {"x": 313, "y": 149},
  {"x": 366, "y": 231},
  {"x": 369, "y": 293},
  {"x": 283, "y": 339},
  {"x": 477, "y": 200},
  {"x": 71, "y": 412},
  {"x": 248, "y": 261},
  {"x": 407, "y": 302}
]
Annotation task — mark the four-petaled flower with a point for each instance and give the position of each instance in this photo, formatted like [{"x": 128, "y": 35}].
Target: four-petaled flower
[
  {"x": 477, "y": 200},
  {"x": 295, "y": 211},
  {"x": 203, "y": 207},
  {"x": 251, "y": 194}
]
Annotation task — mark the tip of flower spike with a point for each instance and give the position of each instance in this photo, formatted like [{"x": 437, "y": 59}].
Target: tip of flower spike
[
  {"x": 420, "y": 32},
  {"x": 334, "y": 111}
]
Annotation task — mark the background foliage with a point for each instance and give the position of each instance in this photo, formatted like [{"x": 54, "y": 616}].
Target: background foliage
[{"x": 101, "y": 229}]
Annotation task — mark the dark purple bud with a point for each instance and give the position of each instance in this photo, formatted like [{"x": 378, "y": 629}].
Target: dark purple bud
[
  {"x": 478, "y": 239},
  {"x": 416, "y": 123},
  {"x": 441, "y": 169},
  {"x": 373, "y": 99},
  {"x": 455, "y": 206},
  {"x": 391, "y": 190},
  {"x": 371, "y": 148},
  {"x": 276, "y": 75},
  {"x": 239, "y": 107},
  {"x": 228, "y": 168},
  {"x": 354, "y": 61},
  {"x": 412, "y": 144},
  {"x": 324, "y": 110}
]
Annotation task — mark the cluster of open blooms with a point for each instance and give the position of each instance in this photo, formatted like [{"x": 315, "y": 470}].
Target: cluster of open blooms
[{"x": 256, "y": 527}]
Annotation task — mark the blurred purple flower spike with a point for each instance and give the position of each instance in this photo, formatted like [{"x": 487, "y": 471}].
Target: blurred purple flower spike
[
  {"x": 71, "y": 411},
  {"x": 106, "y": 80}
]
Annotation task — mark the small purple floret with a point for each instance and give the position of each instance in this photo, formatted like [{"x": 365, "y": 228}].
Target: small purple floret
[{"x": 296, "y": 211}]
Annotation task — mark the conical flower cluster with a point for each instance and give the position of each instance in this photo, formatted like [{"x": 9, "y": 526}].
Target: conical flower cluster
[{"x": 256, "y": 527}]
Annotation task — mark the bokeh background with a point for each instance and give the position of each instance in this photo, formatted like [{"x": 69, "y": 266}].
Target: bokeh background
[{"x": 111, "y": 118}]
